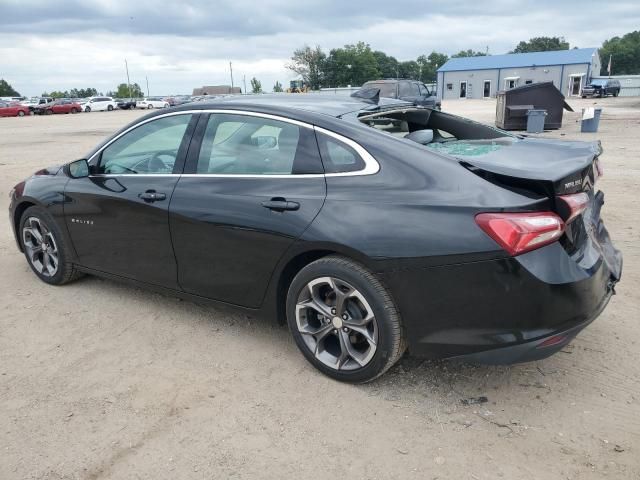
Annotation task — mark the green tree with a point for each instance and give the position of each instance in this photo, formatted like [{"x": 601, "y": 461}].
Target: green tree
[
  {"x": 122, "y": 91},
  {"x": 309, "y": 63},
  {"x": 468, "y": 53},
  {"x": 83, "y": 92},
  {"x": 351, "y": 65},
  {"x": 430, "y": 64},
  {"x": 387, "y": 65},
  {"x": 56, "y": 94},
  {"x": 624, "y": 53},
  {"x": 256, "y": 86},
  {"x": 7, "y": 90},
  {"x": 277, "y": 87},
  {"x": 542, "y": 44}
]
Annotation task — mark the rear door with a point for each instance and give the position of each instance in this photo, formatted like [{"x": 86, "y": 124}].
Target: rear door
[
  {"x": 118, "y": 216},
  {"x": 252, "y": 184}
]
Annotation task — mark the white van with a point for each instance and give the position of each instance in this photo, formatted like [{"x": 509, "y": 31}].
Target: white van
[{"x": 96, "y": 104}]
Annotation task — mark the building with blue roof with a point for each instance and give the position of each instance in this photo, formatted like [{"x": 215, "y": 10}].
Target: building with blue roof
[{"x": 483, "y": 77}]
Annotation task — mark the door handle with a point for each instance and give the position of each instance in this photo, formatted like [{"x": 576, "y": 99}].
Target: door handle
[
  {"x": 152, "y": 196},
  {"x": 280, "y": 204}
]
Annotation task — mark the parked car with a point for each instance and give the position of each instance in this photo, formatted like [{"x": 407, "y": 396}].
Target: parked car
[
  {"x": 96, "y": 104},
  {"x": 126, "y": 103},
  {"x": 366, "y": 227},
  {"x": 35, "y": 101},
  {"x": 601, "y": 87},
  {"x": 176, "y": 100},
  {"x": 409, "y": 90},
  {"x": 61, "y": 105},
  {"x": 13, "y": 109},
  {"x": 152, "y": 102}
]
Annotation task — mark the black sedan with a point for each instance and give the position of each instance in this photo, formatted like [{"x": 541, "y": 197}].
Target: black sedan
[{"x": 369, "y": 226}]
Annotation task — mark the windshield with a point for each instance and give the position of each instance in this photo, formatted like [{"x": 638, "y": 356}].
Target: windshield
[
  {"x": 600, "y": 83},
  {"x": 387, "y": 90}
]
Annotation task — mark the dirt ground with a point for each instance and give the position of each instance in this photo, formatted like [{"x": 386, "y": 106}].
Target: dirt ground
[{"x": 99, "y": 380}]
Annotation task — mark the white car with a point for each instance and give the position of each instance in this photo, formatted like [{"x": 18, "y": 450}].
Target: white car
[
  {"x": 96, "y": 104},
  {"x": 152, "y": 102}
]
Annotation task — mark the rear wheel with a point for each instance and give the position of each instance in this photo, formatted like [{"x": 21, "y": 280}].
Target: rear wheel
[
  {"x": 48, "y": 112},
  {"x": 44, "y": 247},
  {"x": 73, "y": 110},
  {"x": 109, "y": 107},
  {"x": 21, "y": 113},
  {"x": 149, "y": 106},
  {"x": 344, "y": 320}
]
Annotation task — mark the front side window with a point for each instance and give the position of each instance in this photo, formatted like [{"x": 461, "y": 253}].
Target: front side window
[
  {"x": 247, "y": 145},
  {"x": 150, "y": 148}
]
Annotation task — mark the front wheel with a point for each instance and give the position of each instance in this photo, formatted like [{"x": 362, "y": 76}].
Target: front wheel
[
  {"x": 149, "y": 106},
  {"x": 87, "y": 109},
  {"x": 344, "y": 320},
  {"x": 21, "y": 113},
  {"x": 110, "y": 107},
  {"x": 44, "y": 247},
  {"x": 73, "y": 111}
]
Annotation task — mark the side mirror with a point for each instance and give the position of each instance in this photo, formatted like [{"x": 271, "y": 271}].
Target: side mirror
[{"x": 78, "y": 169}]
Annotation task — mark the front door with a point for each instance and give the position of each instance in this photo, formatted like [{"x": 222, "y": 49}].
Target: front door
[
  {"x": 574, "y": 87},
  {"x": 118, "y": 216},
  {"x": 463, "y": 89},
  {"x": 251, "y": 187},
  {"x": 486, "y": 91}
]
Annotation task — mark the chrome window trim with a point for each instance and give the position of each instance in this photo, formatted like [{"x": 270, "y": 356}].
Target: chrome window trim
[{"x": 371, "y": 164}]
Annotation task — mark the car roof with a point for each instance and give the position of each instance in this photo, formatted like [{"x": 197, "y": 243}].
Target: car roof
[{"x": 332, "y": 105}]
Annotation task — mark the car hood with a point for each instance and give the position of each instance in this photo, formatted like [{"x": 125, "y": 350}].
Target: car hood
[{"x": 48, "y": 171}]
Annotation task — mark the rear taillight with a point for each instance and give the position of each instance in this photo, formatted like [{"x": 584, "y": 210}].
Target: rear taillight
[
  {"x": 577, "y": 204},
  {"x": 521, "y": 232}
]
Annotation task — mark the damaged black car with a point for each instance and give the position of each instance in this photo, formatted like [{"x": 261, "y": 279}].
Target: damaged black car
[{"x": 370, "y": 226}]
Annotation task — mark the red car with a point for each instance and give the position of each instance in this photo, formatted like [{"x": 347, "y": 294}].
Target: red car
[
  {"x": 58, "y": 106},
  {"x": 13, "y": 110}
]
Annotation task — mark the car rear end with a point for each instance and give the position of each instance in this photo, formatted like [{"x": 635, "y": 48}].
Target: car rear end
[{"x": 552, "y": 272}]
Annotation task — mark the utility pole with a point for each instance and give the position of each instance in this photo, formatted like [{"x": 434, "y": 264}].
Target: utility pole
[
  {"x": 244, "y": 80},
  {"x": 126, "y": 66},
  {"x": 231, "y": 70},
  {"x": 147, "y": 79}
]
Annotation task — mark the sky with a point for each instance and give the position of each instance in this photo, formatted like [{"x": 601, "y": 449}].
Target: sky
[{"x": 181, "y": 44}]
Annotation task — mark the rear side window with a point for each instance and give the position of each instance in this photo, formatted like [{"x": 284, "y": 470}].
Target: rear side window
[
  {"x": 337, "y": 156},
  {"x": 404, "y": 89}
]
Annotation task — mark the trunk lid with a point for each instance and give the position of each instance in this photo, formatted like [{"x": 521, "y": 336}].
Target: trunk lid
[
  {"x": 552, "y": 168},
  {"x": 549, "y": 167}
]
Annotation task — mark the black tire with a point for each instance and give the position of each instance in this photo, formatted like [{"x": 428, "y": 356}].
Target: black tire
[
  {"x": 149, "y": 106},
  {"x": 584, "y": 96},
  {"x": 48, "y": 112},
  {"x": 87, "y": 109},
  {"x": 390, "y": 332},
  {"x": 615, "y": 94},
  {"x": 73, "y": 110},
  {"x": 20, "y": 113},
  {"x": 109, "y": 107},
  {"x": 66, "y": 271}
]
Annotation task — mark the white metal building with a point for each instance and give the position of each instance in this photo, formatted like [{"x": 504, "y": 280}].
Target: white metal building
[{"x": 482, "y": 77}]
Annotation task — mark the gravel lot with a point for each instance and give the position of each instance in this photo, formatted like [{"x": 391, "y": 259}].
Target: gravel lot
[{"x": 100, "y": 380}]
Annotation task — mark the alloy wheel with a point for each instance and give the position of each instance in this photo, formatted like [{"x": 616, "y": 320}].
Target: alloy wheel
[
  {"x": 337, "y": 323},
  {"x": 40, "y": 246}
]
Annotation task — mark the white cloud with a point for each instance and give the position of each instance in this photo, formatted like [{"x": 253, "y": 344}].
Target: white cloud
[{"x": 182, "y": 46}]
